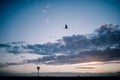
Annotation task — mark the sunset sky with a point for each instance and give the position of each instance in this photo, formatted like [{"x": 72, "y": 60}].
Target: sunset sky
[{"x": 32, "y": 34}]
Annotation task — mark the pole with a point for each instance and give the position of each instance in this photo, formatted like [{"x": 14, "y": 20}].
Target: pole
[
  {"x": 38, "y": 73},
  {"x": 38, "y": 68}
]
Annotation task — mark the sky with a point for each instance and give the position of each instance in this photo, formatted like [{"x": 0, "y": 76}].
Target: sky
[{"x": 32, "y": 34}]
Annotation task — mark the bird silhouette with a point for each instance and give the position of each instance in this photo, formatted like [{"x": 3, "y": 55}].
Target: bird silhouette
[{"x": 66, "y": 27}]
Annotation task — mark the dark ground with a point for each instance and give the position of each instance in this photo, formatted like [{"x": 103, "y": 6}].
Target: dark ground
[{"x": 60, "y": 78}]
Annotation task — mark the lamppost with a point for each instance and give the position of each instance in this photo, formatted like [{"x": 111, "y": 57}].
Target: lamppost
[{"x": 38, "y": 68}]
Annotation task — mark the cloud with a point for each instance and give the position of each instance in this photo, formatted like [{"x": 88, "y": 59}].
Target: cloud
[
  {"x": 4, "y": 46},
  {"x": 107, "y": 35},
  {"x": 87, "y": 56},
  {"x": 12, "y": 47},
  {"x": 84, "y": 67},
  {"x": 9, "y": 64},
  {"x": 10, "y": 58},
  {"x": 101, "y": 45}
]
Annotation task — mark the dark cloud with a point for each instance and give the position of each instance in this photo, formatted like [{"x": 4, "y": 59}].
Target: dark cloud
[
  {"x": 86, "y": 56},
  {"x": 101, "y": 45},
  {"x": 5, "y": 46},
  {"x": 107, "y": 35},
  {"x": 12, "y": 47}
]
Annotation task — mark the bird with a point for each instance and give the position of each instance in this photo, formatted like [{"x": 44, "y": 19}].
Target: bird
[{"x": 66, "y": 27}]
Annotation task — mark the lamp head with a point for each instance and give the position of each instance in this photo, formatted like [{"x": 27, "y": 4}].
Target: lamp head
[{"x": 38, "y": 68}]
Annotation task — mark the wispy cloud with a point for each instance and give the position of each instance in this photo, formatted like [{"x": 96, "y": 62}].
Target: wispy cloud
[{"x": 84, "y": 67}]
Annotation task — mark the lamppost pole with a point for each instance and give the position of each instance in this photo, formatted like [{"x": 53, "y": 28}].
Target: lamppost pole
[{"x": 38, "y": 68}]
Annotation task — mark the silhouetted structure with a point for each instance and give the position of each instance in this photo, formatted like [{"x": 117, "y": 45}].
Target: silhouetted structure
[{"x": 38, "y": 68}]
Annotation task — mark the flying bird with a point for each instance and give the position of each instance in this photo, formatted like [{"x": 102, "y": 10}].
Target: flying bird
[{"x": 66, "y": 27}]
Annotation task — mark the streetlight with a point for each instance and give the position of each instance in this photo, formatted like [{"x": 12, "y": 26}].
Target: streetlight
[{"x": 38, "y": 68}]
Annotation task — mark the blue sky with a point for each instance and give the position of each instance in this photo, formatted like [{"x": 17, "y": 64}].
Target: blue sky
[
  {"x": 41, "y": 21},
  {"x": 32, "y": 34}
]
